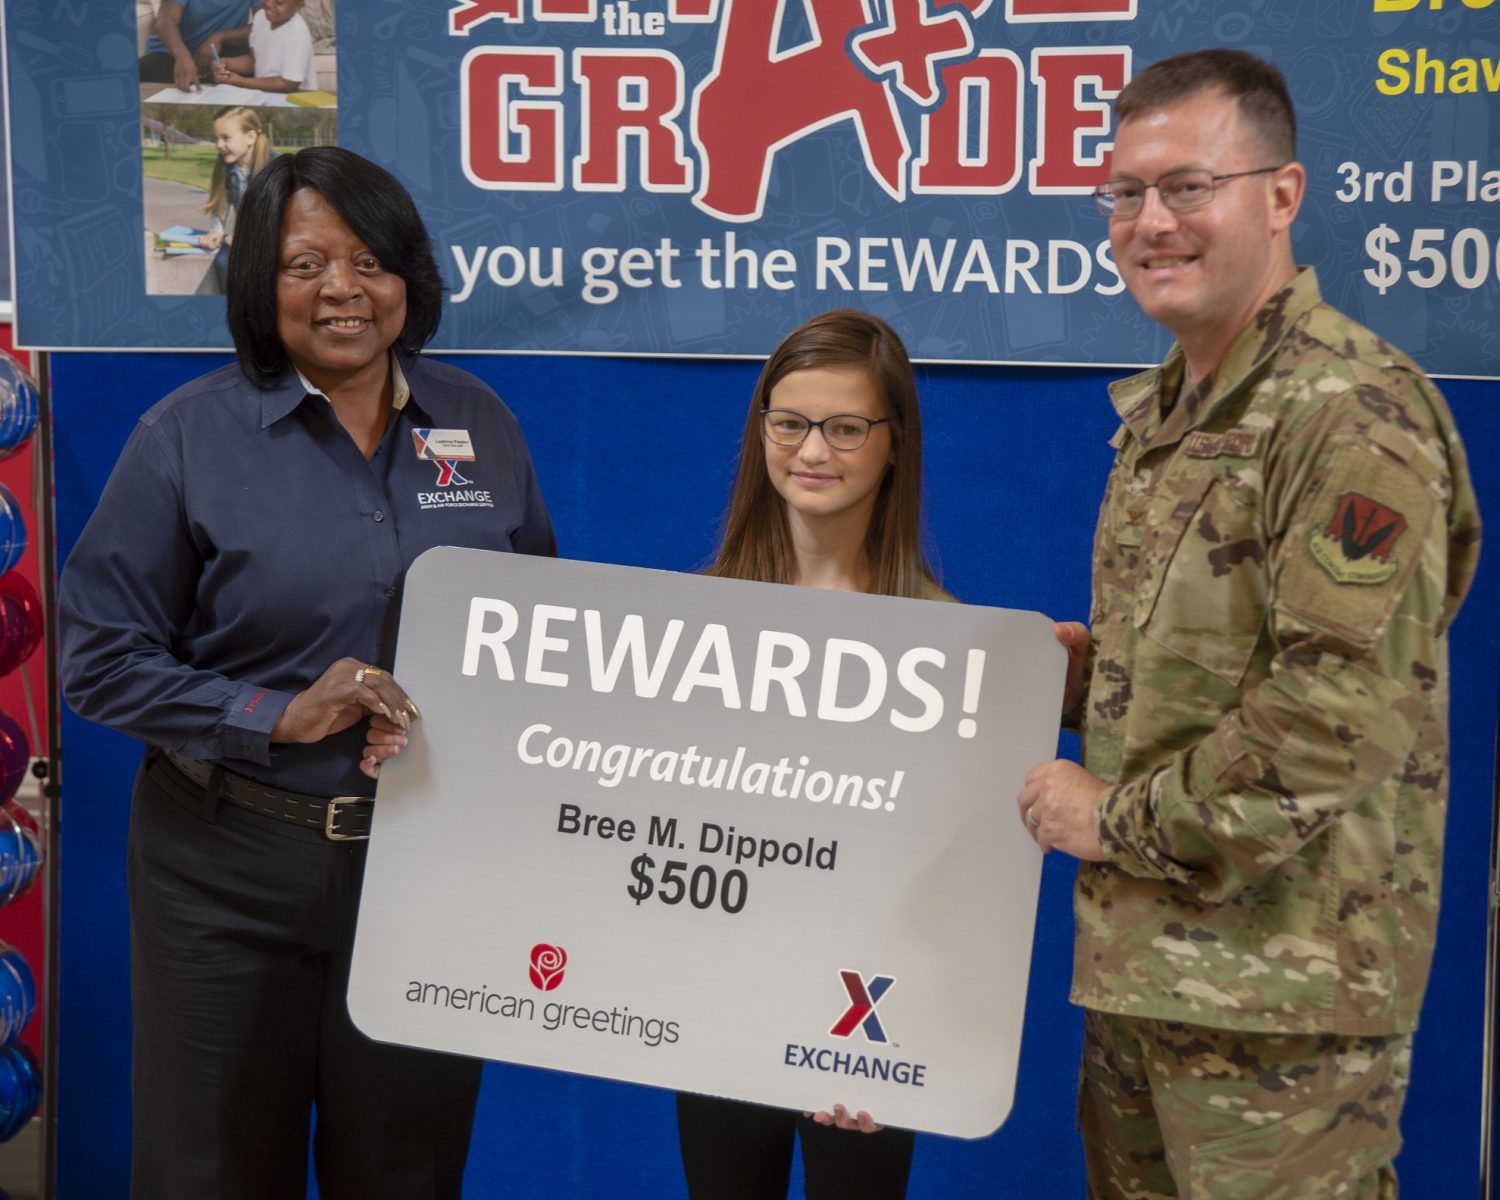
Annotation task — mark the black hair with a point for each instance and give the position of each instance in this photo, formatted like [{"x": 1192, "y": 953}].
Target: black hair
[{"x": 372, "y": 202}]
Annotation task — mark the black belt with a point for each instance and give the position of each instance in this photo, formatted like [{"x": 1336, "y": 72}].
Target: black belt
[{"x": 338, "y": 818}]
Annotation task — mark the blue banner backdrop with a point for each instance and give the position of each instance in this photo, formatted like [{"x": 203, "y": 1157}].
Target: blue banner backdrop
[{"x": 697, "y": 176}]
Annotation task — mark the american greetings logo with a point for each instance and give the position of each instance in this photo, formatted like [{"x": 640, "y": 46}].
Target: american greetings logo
[
  {"x": 547, "y": 966},
  {"x": 863, "y": 997},
  {"x": 546, "y": 969}
]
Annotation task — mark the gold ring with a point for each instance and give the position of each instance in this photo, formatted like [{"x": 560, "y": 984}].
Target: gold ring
[{"x": 359, "y": 675}]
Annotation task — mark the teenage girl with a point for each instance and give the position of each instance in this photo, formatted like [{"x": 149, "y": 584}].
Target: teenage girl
[
  {"x": 243, "y": 149},
  {"x": 828, "y": 494}
]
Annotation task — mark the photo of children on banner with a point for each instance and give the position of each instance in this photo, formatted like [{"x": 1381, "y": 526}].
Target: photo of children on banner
[
  {"x": 177, "y": 39},
  {"x": 196, "y": 165},
  {"x": 271, "y": 53},
  {"x": 281, "y": 52},
  {"x": 244, "y": 150}
]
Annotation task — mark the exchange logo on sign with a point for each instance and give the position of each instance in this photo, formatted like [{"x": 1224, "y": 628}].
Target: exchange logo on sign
[{"x": 862, "y": 1001}]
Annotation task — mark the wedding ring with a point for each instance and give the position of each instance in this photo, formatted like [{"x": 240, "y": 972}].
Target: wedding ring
[
  {"x": 1033, "y": 818},
  {"x": 359, "y": 675}
]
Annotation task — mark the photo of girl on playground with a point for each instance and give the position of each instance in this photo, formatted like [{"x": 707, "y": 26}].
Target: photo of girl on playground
[{"x": 196, "y": 163}]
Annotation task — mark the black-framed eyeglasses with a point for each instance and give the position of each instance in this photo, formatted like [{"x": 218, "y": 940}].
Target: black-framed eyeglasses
[
  {"x": 842, "y": 431},
  {"x": 1178, "y": 190}
]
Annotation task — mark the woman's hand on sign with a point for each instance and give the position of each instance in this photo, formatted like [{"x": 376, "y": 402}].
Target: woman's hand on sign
[
  {"x": 341, "y": 697},
  {"x": 384, "y": 739}
]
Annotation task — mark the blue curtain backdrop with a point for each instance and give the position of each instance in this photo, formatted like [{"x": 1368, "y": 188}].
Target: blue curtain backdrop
[{"x": 635, "y": 458}]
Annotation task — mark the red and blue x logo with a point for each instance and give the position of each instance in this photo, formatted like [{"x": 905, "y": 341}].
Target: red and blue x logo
[
  {"x": 863, "y": 997},
  {"x": 430, "y": 444}
]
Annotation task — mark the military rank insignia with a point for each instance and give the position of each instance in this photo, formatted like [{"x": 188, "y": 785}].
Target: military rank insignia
[{"x": 1357, "y": 543}]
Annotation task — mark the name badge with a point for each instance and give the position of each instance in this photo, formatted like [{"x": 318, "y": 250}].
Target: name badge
[
  {"x": 1236, "y": 443},
  {"x": 438, "y": 445}
]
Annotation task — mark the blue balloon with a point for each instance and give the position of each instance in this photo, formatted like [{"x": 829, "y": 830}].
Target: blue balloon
[
  {"x": 17, "y": 994},
  {"x": 19, "y": 406},
  {"x": 20, "y": 852},
  {"x": 20, "y": 1088},
  {"x": 12, "y": 530}
]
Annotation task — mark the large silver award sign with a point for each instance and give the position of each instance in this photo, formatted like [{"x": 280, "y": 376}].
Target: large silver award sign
[{"x": 724, "y": 837}]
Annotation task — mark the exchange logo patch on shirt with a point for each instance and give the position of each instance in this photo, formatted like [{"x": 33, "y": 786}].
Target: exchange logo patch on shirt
[
  {"x": 447, "y": 448},
  {"x": 1357, "y": 543}
]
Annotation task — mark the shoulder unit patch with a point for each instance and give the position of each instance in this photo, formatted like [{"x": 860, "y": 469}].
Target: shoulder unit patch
[{"x": 1357, "y": 544}]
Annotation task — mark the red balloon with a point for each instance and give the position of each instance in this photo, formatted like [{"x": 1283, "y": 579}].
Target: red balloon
[
  {"x": 20, "y": 621},
  {"x": 15, "y": 756}
]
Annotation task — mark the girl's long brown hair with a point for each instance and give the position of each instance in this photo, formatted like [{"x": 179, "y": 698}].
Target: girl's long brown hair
[
  {"x": 249, "y": 122},
  {"x": 757, "y": 542}
]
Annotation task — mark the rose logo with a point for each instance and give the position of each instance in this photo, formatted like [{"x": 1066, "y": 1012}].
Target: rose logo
[{"x": 547, "y": 963}]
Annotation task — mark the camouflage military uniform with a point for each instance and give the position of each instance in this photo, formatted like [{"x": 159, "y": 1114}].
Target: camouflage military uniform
[{"x": 1277, "y": 561}]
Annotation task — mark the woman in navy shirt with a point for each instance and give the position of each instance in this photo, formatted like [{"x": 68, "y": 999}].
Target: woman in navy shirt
[{"x": 233, "y": 603}]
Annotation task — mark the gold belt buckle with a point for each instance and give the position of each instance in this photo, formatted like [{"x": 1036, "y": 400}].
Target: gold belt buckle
[{"x": 331, "y": 815}]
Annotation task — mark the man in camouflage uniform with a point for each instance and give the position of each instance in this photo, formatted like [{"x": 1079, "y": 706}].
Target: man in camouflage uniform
[{"x": 1286, "y": 535}]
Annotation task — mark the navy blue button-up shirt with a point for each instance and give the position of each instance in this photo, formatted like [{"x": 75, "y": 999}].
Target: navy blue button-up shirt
[{"x": 243, "y": 543}]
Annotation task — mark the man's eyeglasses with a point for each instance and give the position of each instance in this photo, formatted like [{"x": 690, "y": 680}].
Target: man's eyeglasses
[
  {"x": 1178, "y": 190},
  {"x": 842, "y": 431}
]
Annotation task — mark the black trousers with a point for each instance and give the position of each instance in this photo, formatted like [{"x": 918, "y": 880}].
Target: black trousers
[
  {"x": 737, "y": 1151},
  {"x": 241, "y": 933}
]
